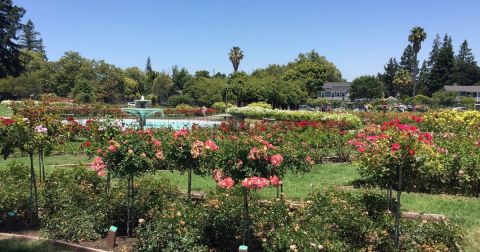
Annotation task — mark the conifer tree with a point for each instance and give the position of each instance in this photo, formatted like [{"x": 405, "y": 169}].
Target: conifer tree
[
  {"x": 443, "y": 69},
  {"x": 466, "y": 71},
  {"x": 10, "y": 17},
  {"x": 388, "y": 76},
  {"x": 29, "y": 39},
  {"x": 407, "y": 61},
  {"x": 437, "y": 44}
]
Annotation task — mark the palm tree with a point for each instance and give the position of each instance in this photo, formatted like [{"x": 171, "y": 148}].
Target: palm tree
[
  {"x": 235, "y": 55},
  {"x": 416, "y": 37}
]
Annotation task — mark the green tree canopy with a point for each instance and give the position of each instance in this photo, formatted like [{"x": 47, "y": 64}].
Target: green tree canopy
[
  {"x": 10, "y": 17},
  {"x": 206, "y": 91},
  {"x": 29, "y": 39},
  {"x": 366, "y": 87},
  {"x": 312, "y": 70},
  {"x": 466, "y": 71},
  {"x": 388, "y": 76},
  {"x": 180, "y": 77},
  {"x": 442, "y": 70},
  {"x": 162, "y": 87}
]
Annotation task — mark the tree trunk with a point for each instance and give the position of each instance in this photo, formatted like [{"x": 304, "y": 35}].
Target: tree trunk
[
  {"x": 414, "y": 82},
  {"x": 130, "y": 200},
  {"x": 397, "y": 213},
  {"x": 33, "y": 199},
  {"x": 189, "y": 186},
  {"x": 246, "y": 227}
]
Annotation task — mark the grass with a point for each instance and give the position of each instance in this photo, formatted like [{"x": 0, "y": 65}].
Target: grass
[
  {"x": 17, "y": 245},
  {"x": 4, "y": 111},
  {"x": 461, "y": 210}
]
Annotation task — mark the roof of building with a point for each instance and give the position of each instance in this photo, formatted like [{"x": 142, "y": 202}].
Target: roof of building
[
  {"x": 463, "y": 88},
  {"x": 337, "y": 86}
]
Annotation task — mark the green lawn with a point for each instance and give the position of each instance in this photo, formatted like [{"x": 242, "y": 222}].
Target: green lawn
[
  {"x": 17, "y": 245},
  {"x": 461, "y": 210},
  {"x": 4, "y": 111}
]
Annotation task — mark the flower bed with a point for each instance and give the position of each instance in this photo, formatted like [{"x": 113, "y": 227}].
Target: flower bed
[
  {"x": 190, "y": 111},
  {"x": 293, "y": 115}
]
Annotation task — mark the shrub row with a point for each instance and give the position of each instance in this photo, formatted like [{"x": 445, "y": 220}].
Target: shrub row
[{"x": 293, "y": 115}]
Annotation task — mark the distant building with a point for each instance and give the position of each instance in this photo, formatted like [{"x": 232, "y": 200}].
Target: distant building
[
  {"x": 335, "y": 91},
  {"x": 466, "y": 91}
]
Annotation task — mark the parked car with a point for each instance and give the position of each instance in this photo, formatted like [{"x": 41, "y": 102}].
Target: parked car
[
  {"x": 131, "y": 104},
  {"x": 306, "y": 107}
]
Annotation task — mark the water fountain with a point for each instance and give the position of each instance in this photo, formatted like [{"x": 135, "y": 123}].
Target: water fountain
[{"x": 142, "y": 110}]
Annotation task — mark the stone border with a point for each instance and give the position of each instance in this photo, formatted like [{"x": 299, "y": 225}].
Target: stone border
[{"x": 74, "y": 247}]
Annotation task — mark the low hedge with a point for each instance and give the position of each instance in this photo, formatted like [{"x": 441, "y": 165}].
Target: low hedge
[
  {"x": 76, "y": 206},
  {"x": 332, "y": 221},
  {"x": 14, "y": 191},
  {"x": 293, "y": 115}
]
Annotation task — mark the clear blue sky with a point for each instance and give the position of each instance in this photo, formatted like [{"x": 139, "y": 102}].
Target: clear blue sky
[{"x": 356, "y": 35}]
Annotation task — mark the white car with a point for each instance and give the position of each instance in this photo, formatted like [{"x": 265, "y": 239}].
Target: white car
[{"x": 131, "y": 104}]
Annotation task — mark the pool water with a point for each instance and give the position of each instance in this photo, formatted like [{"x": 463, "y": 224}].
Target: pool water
[{"x": 175, "y": 124}]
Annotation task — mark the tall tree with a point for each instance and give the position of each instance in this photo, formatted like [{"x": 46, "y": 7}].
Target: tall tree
[
  {"x": 442, "y": 71},
  {"x": 433, "y": 57},
  {"x": 162, "y": 87},
  {"x": 402, "y": 81},
  {"x": 388, "y": 76},
  {"x": 180, "y": 77},
  {"x": 366, "y": 87},
  {"x": 407, "y": 61},
  {"x": 10, "y": 17},
  {"x": 29, "y": 39},
  {"x": 416, "y": 37},
  {"x": 423, "y": 78},
  {"x": 235, "y": 56},
  {"x": 409, "y": 64},
  {"x": 202, "y": 74},
  {"x": 331, "y": 72},
  {"x": 466, "y": 70},
  {"x": 150, "y": 76}
]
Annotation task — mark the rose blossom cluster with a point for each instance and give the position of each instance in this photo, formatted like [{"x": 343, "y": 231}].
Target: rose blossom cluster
[
  {"x": 255, "y": 183},
  {"x": 180, "y": 133},
  {"x": 98, "y": 166},
  {"x": 198, "y": 147},
  {"x": 6, "y": 121},
  {"x": 40, "y": 129},
  {"x": 222, "y": 181},
  {"x": 258, "y": 154}
]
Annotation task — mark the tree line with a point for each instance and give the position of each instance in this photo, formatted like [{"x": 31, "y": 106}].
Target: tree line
[{"x": 404, "y": 78}]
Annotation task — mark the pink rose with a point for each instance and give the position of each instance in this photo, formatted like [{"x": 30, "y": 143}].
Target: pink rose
[
  {"x": 226, "y": 183},
  {"x": 255, "y": 183},
  {"x": 210, "y": 145},
  {"x": 276, "y": 160},
  {"x": 395, "y": 147},
  {"x": 239, "y": 163},
  {"x": 310, "y": 160},
  {"x": 275, "y": 181},
  {"x": 180, "y": 133},
  {"x": 156, "y": 143},
  {"x": 217, "y": 175},
  {"x": 101, "y": 173},
  {"x": 159, "y": 155},
  {"x": 112, "y": 148}
]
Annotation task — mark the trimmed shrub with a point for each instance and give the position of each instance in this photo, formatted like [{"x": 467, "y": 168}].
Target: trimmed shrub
[
  {"x": 176, "y": 228},
  {"x": 14, "y": 190},
  {"x": 73, "y": 207},
  {"x": 260, "y": 105}
]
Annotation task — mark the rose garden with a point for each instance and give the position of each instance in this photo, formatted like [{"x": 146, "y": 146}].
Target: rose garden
[{"x": 245, "y": 182}]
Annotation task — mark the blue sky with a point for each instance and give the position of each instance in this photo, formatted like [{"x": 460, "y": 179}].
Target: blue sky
[{"x": 358, "y": 36}]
